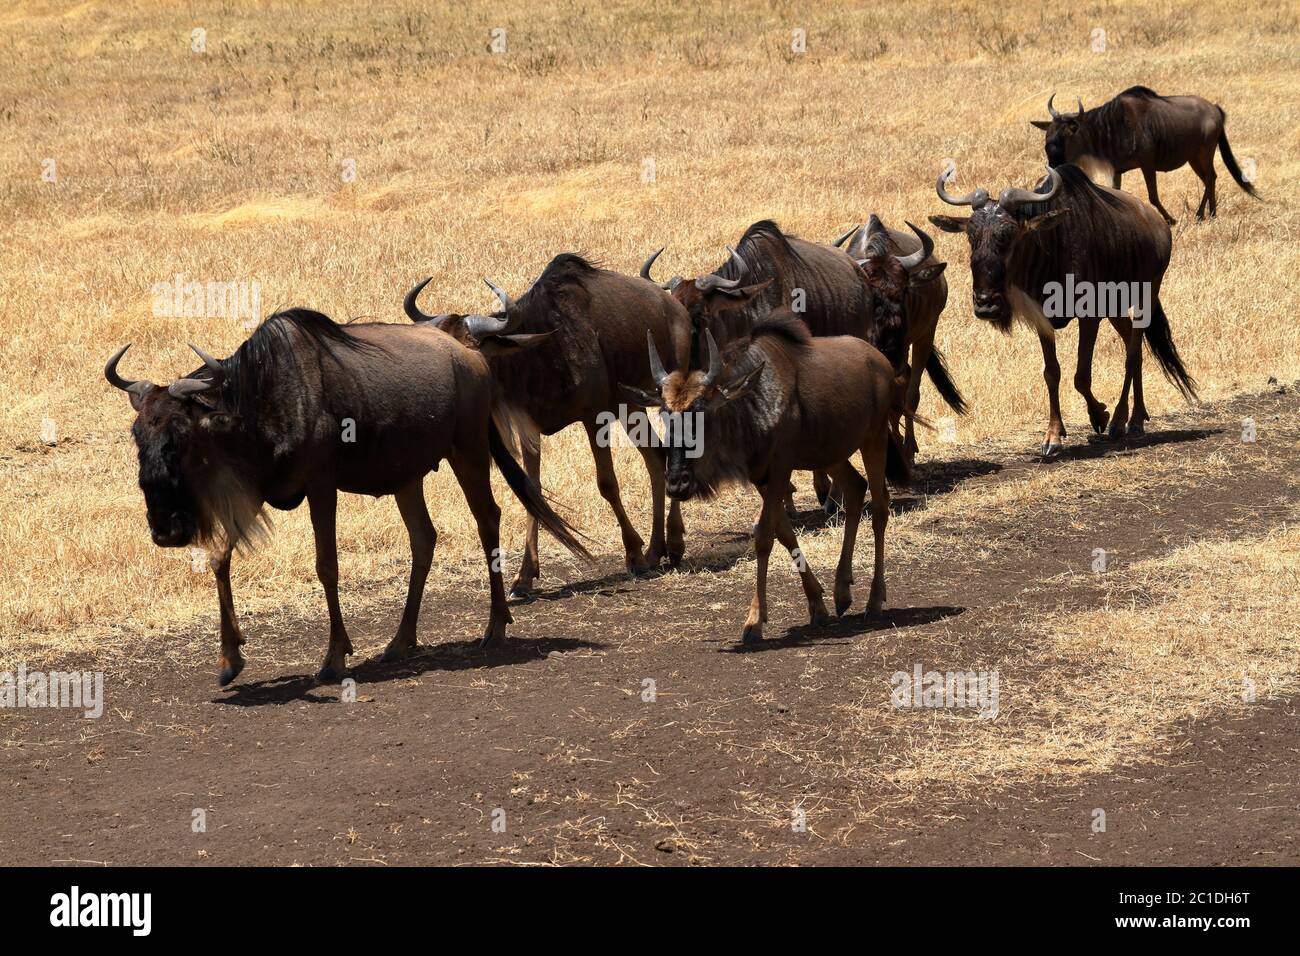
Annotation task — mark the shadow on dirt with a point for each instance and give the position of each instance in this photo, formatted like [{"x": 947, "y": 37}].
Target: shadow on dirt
[
  {"x": 451, "y": 656},
  {"x": 849, "y": 626},
  {"x": 1099, "y": 446}
]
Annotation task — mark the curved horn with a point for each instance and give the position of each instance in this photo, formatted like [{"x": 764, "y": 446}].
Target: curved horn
[
  {"x": 910, "y": 262},
  {"x": 484, "y": 326},
  {"x": 117, "y": 381},
  {"x": 1051, "y": 109},
  {"x": 707, "y": 283},
  {"x": 739, "y": 262},
  {"x": 715, "y": 360},
  {"x": 840, "y": 241},
  {"x": 1012, "y": 198},
  {"x": 975, "y": 198},
  {"x": 650, "y": 260},
  {"x": 412, "y": 310},
  {"x": 656, "y": 365},
  {"x": 1081, "y": 109},
  {"x": 216, "y": 368}
]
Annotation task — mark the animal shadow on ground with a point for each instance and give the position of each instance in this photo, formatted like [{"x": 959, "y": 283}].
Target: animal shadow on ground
[
  {"x": 1099, "y": 446},
  {"x": 847, "y": 627},
  {"x": 449, "y": 656}
]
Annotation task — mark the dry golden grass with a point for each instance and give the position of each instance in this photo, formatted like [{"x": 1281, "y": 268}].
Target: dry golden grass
[{"x": 226, "y": 166}]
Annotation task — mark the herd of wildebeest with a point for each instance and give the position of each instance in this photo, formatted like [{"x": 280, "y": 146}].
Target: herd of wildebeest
[{"x": 792, "y": 355}]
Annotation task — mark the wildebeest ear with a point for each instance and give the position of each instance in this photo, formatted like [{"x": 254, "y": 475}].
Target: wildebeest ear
[
  {"x": 1046, "y": 221},
  {"x": 927, "y": 273},
  {"x": 1041, "y": 124},
  {"x": 510, "y": 344},
  {"x": 740, "y": 386},
  {"x": 951, "y": 223},
  {"x": 639, "y": 396}
]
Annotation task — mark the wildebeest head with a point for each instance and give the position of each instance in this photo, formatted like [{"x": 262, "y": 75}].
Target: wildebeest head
[
  {"x": 890, "y": 277},
  {"x": 686, "y": 399},
  {"x": 176, "y": 429},
  {"x": 492, "y": 335},
  {"x": 994, "y": 230},
  {"x": 708, "y": 296},
  {"x": 1067, "y": 138}
]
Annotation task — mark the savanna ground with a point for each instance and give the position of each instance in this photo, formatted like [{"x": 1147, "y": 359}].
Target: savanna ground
[{"x": 333, "y": 155}]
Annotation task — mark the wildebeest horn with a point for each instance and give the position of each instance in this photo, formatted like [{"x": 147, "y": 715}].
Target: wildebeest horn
[
  {"x": 412, "y": 310},
  {"x": 117, "y": 381},
  {"x": 485, "y": 326},
  {"x": 191, "y": 386},
  {"x": 740, "y": 263},
  {"x": 715, "y": 360},
  {"x": 1013, "y": 197},
  {"x": 656, "y": 365},
  {"x": 840, "y": 241},
  {"x": 975, "y": 199},
  {"x": 707, "y": 283},
  {"x": 1051, "y": 109},
  {"x": 650, "y": 260},
  {"x": 910, "y": 262},
  {"x": 1080, "y": 99}
]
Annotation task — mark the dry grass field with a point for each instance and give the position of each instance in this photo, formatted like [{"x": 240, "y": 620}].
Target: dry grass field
[
  {"x": 335, "y": 153},
  {"x": 229, "y": 166}
]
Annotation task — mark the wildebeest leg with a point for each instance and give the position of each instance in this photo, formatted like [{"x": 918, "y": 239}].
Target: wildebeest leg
[
  {"x": 1149, "y": 174},
  {"x": 828, "y": 496},
  {"x": 874, "y": 455},
  {"x": 232, "y": 658},
  {"x": 1083, "y": 374},
  {"x": 474, "y": 474},
  {"x": 855, "y": 490},
  {"x": 424, "y": 538},
  {"x": 1115, "y": 179},
  {"x": 607, "y": 483},
  {"x": 1132, "y": 361},
  {"x": 676, "y": 534},
  {"x": 654, "y": 466},
  {"x": 1203, "y": 166},
  {"x": 530, "y": 449},
  {"x": 1052, "y": 376},
  {"x": 764, "y": 531},
  {"x": 812, "y": 588},
  {"x": 323, "y": 501}
]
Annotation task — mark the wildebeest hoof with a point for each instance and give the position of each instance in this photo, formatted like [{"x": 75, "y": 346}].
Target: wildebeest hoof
[
  {"x": 752, "y": 634},
  {"x": 1051, "y": 449},
  {"x": 1136, "y": 428},
  {"x": 397, "y": 652},
  {"x": 675, "y": 559},
  {"x": 521, "y": 591},
  {"x": 329, "y": 674},
  {"x": 230, "y": 672},
  {"x": 842, "y": 604},
  {"x": 832, "y": 507},
  {"x": 1116, "y": 431}
]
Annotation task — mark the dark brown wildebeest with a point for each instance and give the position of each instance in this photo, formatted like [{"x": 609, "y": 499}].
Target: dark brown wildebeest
[
  {"x": 1140, "y": 129},
  {"x": 598, "y": 321},
  {"x": 1027, "y": 248},
  {"x": 887, "y": 289},
  {"x": 775, "y": 401},
  {"x": 306, "y": 408}
]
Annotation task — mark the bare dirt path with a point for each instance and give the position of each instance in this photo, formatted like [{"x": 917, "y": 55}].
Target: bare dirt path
[{"x": 551, "y": 737}]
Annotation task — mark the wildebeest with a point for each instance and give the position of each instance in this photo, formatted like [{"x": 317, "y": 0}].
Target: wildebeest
[
  {"x": 306, "y": 408},
  {"x": 1140, "y": 129},
  {"x": 1073, "y": 234},
  {"x": 887, "y": 289},
  {"x": 774, "y": 401},
  {"x": 598, "y": 321}
]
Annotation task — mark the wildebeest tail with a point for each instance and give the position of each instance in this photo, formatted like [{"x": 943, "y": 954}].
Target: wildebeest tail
[
  {"x": 1166, "y": 353},
  {"x": 897, "y": 470},
  {"x": 937, "y": 369},
  {"x": 531, "y": 497},
  {"x": 1231, "y": 161}
]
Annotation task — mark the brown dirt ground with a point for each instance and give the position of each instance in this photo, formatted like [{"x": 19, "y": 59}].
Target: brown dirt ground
[{"x": 552, "y": 729}]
